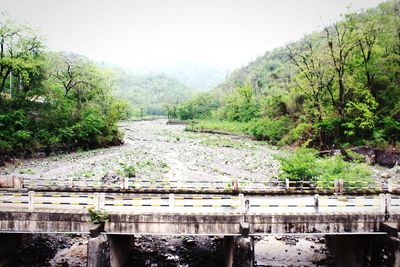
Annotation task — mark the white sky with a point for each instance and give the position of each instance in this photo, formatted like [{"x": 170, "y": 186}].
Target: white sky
[{"x": 223, "y": 33}]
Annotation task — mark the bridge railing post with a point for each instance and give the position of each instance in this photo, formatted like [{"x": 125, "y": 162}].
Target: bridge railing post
[
  {"x": 382, "y": 203},
  {"x": 287, "y": 184},
  {"x": 126, "y": 183},
  {"x": 31, "y": 203},
  {"x": 389, "y": 185},
  {"x": 96, "y": 199},
  {"x": 316, "y": 202},
  {"x": 102, "y": 200},
  {"x": 242, "y": 203},
  {"x": 171, "y": 202},
  {"x": 388, "y": 203}
]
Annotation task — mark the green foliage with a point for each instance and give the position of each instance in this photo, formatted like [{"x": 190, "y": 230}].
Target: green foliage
[
  {"x": 241, "y": 105},
  {"x": 129, "y": 170},
  {"x": 340, "y": 86},
  {"x": 303, "y": 131},
  {"x": 304, "y": 165},
  {"x": 98, "y": 216},
  {"x": 199, "y": 107},
  {"x": 271, "y": 130},
  {"x": 154, "y": 94},
  {"x": 233, "y": 127},
  {"x": 58, "y": 100},
  {"x": 300, "y": 166}
]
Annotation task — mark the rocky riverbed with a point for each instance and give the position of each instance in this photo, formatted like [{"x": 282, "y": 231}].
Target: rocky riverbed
[
  {"x": 153, "y": 150},
  {"x": 169, "y": 251},
  {"x": 156, "y": 151}
]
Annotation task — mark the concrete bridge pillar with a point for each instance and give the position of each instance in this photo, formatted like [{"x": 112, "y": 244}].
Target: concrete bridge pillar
[
  {"x": 120, "y": 246},
  {"x": 107, "y": 250},
  {"x": 243, "y": 250},
  {"x": 97, "y": 248},
  {"x": 388, "y": 252}
]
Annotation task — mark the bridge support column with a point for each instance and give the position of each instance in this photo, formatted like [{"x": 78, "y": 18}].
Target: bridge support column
[
  {"x": 228, "y": 251},
  {"x": 120, "y": 246},
  {"x": 388, "y": 252},
  {"x": 97, "y": 248},
  {"x": 243, "y": 251}
]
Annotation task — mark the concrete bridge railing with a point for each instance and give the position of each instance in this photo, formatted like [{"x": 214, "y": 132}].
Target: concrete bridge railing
[{"x": 133, "y": 185}]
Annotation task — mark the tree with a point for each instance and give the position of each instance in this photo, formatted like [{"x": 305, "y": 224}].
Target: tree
[
  {"x": 71, "y": 71},
  {"x": 20, "y": 50}
]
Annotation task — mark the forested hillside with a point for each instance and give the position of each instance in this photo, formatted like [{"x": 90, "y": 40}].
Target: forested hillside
[
  {"x": 336, "y": 87},
  {"x": 150, "y": 94},
  {"x": 51, "y": 100}
]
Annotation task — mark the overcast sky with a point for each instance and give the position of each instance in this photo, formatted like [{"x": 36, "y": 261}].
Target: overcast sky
[{"x": 225, "y": 33}]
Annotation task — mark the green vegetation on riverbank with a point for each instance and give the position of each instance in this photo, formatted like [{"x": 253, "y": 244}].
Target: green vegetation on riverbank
[
  {"x": 52, "y": 100},
  {"x": 339, "y": 87},
  {"x": 305, "y": 165}
]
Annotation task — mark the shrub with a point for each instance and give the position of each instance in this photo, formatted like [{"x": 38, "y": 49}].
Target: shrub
[
  {"x": 98, "y": 216},
  {"x": 304, "y": 165},
  {"x": 300, "y": 166},
  {"x": 271, "y": 130}
]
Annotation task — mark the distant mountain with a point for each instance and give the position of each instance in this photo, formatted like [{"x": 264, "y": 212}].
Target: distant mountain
[
  {"x": 149, "y": 94},
  {"x": 200, "y": 76}
]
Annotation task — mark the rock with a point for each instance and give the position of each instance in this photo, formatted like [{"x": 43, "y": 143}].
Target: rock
[
  {"x": 190, "y": 242},
  {"x": 257, "y": 238},
  {"x": 40, "y": 155},
  {"x": 385, "y": 175}
]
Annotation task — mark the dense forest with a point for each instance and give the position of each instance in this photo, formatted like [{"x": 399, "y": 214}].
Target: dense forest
[
  {"x": 338, "y": 87},
  {"x": 52, "y": 100},
  {"x": 149, "y": 94}
]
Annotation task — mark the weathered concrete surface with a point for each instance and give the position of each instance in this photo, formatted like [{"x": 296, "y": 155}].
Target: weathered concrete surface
[
  {"x": 208, "y": 224},
  {"x": 44, "y": 222},
  {"x": 243, "y": 250},
  {"x": 11, "y": 181},
  {"x": 186, "y": 224},
  {"x": 317, "y": 223},
  {"x": 98, "y": 252},
  {"x": 120, "y": 247}
]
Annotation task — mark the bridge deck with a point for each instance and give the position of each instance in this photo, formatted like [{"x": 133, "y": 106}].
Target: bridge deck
[{"x": 196, "y": 214}]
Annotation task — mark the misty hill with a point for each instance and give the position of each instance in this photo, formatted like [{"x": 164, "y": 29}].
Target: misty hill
[
  {"x": 198, "y": 75},
  {"x": 149, "y": 94},
  {"x": 269, "y": 74}
]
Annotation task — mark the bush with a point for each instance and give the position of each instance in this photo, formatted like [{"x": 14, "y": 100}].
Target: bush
[
  {"x": 304, "y": 165},
  {"x": 98, "y": 216},
  {"x": 300, "y": 166},
  {"x": 271, "y": 130}
]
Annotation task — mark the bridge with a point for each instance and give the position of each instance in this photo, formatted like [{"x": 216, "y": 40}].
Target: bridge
[{"x": 235, "y": 216}]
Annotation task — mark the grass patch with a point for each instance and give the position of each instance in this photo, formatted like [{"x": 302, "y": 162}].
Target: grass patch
[
  {"x": 26, "y": 171},
  {"x": 226, "y": 142},
  {"x": 232, "y": 127}
]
